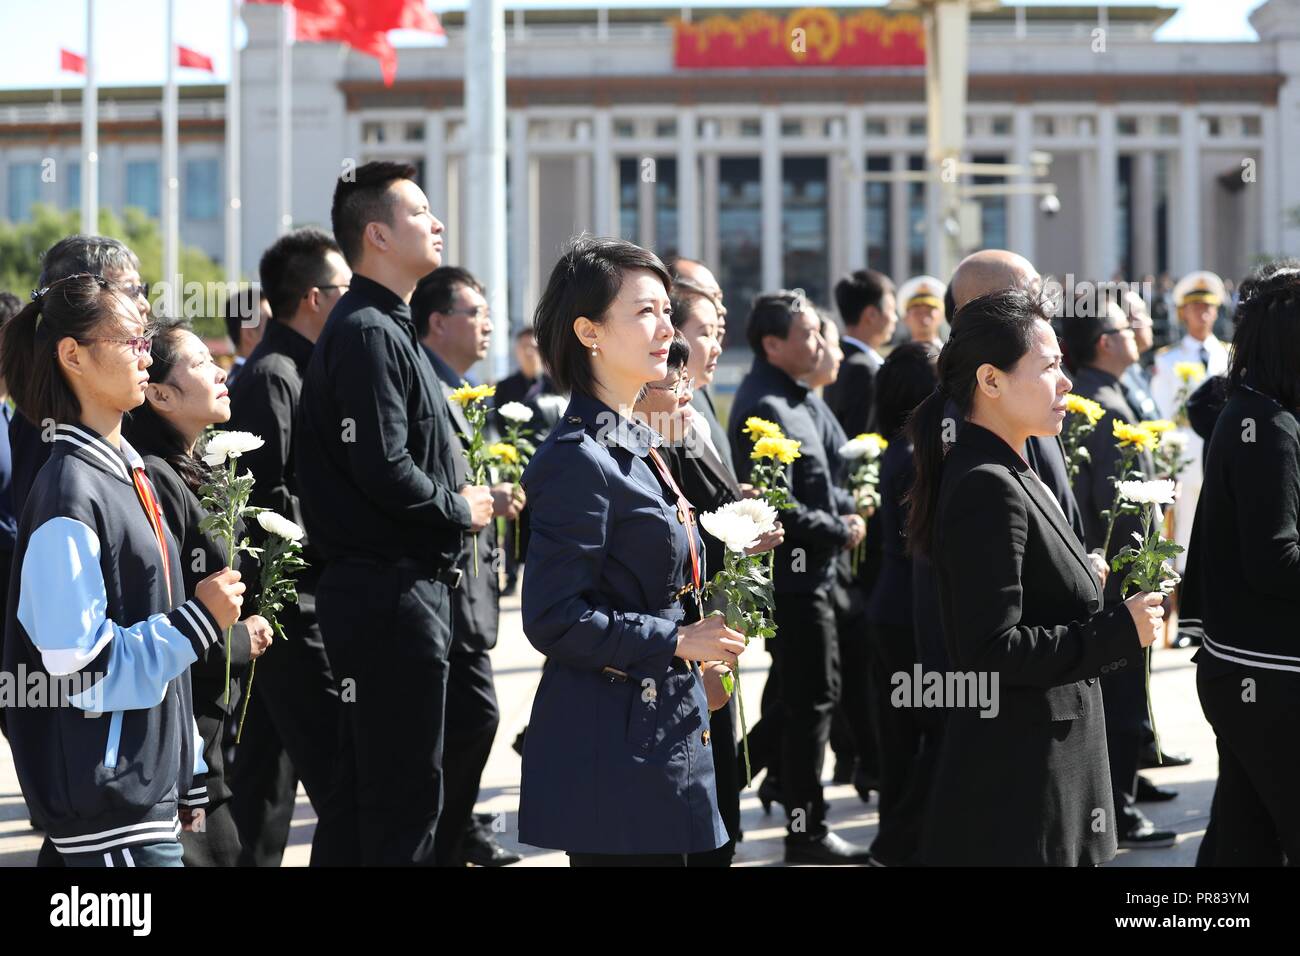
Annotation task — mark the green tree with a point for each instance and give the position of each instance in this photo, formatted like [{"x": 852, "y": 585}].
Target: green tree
[{"x": 22, "y": 245}]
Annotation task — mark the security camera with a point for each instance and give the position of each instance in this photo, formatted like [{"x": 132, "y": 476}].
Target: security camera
[{"x": 1050, "y": 204}]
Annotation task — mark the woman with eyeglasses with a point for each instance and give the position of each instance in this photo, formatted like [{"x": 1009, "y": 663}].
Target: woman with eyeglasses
[
  {"x": 97, "y": 600},
  {"x": 617, "y": 767},
  {"x": 186, "y": 394}
]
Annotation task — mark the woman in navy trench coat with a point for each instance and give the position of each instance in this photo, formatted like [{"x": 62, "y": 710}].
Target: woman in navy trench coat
[{"x": 617, "y": 768}]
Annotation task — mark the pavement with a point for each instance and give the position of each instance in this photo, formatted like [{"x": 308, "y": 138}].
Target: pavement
[{"x": 518, "y": 668}]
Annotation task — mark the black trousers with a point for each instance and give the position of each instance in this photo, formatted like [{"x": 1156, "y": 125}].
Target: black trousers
[
  {"x": 290, "y": 733},
  {"x": 217, "y": 844},
  {"x": 906, "y": 766},
  {"x": 807, "y": 657},
  {"x": 1254, "y": 816},
  {"x": 472, "y": 721},
  {"x": 1124, "y": 700},
  {"x": 630, "y": 859},
  {"x": 387, "y": 631},
  {"x": 855, "y": 734}
]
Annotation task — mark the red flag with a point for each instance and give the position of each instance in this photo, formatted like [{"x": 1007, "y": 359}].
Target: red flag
[
  {"x": 193, "y": 59},
  {"x": 71, "y": 62}
]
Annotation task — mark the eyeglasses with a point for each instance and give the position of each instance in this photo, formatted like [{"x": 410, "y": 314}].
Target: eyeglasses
[
  {"x": 137, "y": 291},
  {"x": 139, "y": 344},
  {"x": 678, "y": 388}
]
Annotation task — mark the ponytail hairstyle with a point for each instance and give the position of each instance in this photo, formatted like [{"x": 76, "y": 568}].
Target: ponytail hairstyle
[
  {"x": 1266, "y": 342},
  {"x": 79, "y": 306},
  {"x": 995, "y": 329},
  {"x": 149, "y": 432}
]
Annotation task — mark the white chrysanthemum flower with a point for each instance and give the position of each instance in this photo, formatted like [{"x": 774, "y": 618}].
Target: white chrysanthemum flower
[
  {"x": 757, "y": 510},
  {"x": 224, "y": 445},
  {"x": 280, "y": 526},
  {"x": 737, "y": 531},
  {"x": 1148, "y": 492},
  {"x": 1174, "y": 439},
  {"x": 516, "y": 412},
  {"x": 869, "y": 447}
]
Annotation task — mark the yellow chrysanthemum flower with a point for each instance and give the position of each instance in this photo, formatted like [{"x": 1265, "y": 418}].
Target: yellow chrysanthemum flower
[
  {"x": 757, "y": 428},
  {"x": 1134, "y": 435},
  {"x": 1086, "y": 407},
  {"x": 1189, "y": 372},
  {"x": 503, "y": 451},
  {"x": 472, "y": 393},
  {"x": 1158, "y": 425},
  {"x": 876, "y": 437},
  {"x": 784, "y": 450}
]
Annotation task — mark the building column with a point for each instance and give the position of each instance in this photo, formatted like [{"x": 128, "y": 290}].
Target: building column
[
  {"x": 604, "y": 205},
  {"x": 900, "y": 229},
  {"x": 1020, "y": 223},
  {"x": 1189, "y": 192},
  {"x": 1105, "y": 174},
  {"x": 582, "y": 216},
  {"x": 770, "y": 177},
  {"x": 1271, "y": 177},
  {"x": 645, "y": 203},
  {"x": 710, "y": 245},
  {"x": 435, "y": 162},
  {"x": 934, "y": 218},
  {"x": 854, "y": 197},
  {"x": 523, "y": 221},
  {"x": 1142, "y": 197},
  {"x": 688, "y": 185}
]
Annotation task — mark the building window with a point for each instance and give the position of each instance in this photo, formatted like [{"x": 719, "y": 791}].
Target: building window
[
  {"x": 916, "y": 219},
  {"x": 1127, "y": 125},
  {"x": 1250, "y": 126},
  {"x": 916, "y": 126},
  {"x": 993, "y": 209},
  {"x": 629, "y": 215},
  {"x": 880, "y": 233},
  {"x": 791, "y": 127},
  {"x": 804, "y": 226},
  {"x": 877, "y": 127},
  {"x": 24, "y": 190},
  {"x": 666, "y": 128},
  {"x": 751, "y": 127},
  {"x": 1044, "y": 126},
  {"x": 1001, "y": 126},
  {"x": 624, "y": 129},
  {"x": 202, "y": 189},
  {"x": 1167, "y": 126},
  {"x": 143, "y": 186},
  {"x": 372, "y": 133},
  {"x": 1211, "y": 126},
  {"x": 413, "y": 132},
  {"x": 740, "y": 233},
  {"x": 666, "y": 241}
]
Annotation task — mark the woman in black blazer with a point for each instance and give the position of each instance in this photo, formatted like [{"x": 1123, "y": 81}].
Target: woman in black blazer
[
  {"x": 1023, "y": 780},
  {"x": 1244, "y": 563},
  {"x": 186, "y": 394}
]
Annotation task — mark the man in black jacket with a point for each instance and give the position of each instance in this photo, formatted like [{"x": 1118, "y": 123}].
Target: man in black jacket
[
  {"x": 865, "y": 300},
  {"x": 377, "y": 481},
  {"x": 1101, "y": 349},
  {"x": 451, "y": 317},
  {"x": 291, "y": 730},
  {"x": 784, "y": 333}
]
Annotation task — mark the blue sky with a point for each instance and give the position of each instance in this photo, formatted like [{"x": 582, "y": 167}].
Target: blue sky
[{"x": 130, "y": 32}]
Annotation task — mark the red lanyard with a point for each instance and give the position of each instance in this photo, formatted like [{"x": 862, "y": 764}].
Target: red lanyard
[
  {"x": 154, "y": 514},
  {"x": 684, "y": 515}
]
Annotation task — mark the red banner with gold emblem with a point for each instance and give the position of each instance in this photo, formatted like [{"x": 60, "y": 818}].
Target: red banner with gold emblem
[{"x": 811, "y": 36}]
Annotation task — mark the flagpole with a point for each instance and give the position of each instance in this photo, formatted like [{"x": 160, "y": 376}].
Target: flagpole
[
  {"x": 171, "y": 227},
  {"x": 90, "y": 134},
  {"x": 233, "y": 213},
  {"x": 285, "y": 216}
]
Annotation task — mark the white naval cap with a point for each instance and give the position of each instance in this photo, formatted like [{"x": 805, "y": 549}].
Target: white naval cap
[
  {"x": 921, "y": 290},
  {"x": 1199, "y": 287}
]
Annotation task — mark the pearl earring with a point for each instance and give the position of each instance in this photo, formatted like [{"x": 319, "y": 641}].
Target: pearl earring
[{"x": 593, "y": 349}]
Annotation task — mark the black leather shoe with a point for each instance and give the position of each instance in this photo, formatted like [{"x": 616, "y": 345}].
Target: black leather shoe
[
  {"x": 864, "y": 784},
  {"x": 1147, "y": 758},
  {"x": 830, "y": 850},
  {"x": 1148, "y": 792},
  {"x": 769, "y": 792},
  {"x": 481, "y": 849},
  {"x": 1145, "y": 836}
]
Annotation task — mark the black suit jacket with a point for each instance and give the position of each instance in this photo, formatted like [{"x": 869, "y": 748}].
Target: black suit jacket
[
  {"x": 852, "y": 396},
  {"x": 1019, "y": 600}
]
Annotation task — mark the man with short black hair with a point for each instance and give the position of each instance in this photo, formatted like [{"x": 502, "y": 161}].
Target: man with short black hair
[
  {"x": 865, "y": 300},
  {"x": 784, "y": 334},
  {"x": 292, "y": 721},
  {"x": 247, "y": 313},
  {"x": 377, "y": 480}
]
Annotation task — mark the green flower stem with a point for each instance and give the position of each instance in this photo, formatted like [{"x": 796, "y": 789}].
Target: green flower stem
[
  {"x": 230, "y": 563},
  {"x": 1150, "y": 710},
  {"x": 744, "y": 728},
  {"x": 248, "y": 695}
]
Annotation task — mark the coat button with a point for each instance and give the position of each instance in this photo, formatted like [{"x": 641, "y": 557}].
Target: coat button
[
  {"x": 1123, "y": 662},
  {"x": 1091, "y": 681},
  {"x": 704, "y": 738},
  {"x": 574, "y": 420}
]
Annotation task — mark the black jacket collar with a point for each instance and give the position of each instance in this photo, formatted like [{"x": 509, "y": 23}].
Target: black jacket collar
[
  {"x": 381, "y": 297},
  {"x": 775, "y": 380},
  {"x": 282, "y": 340}
]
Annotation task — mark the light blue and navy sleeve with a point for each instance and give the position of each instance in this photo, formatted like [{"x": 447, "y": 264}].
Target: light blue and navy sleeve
[{"x": 63, "y": 607}]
